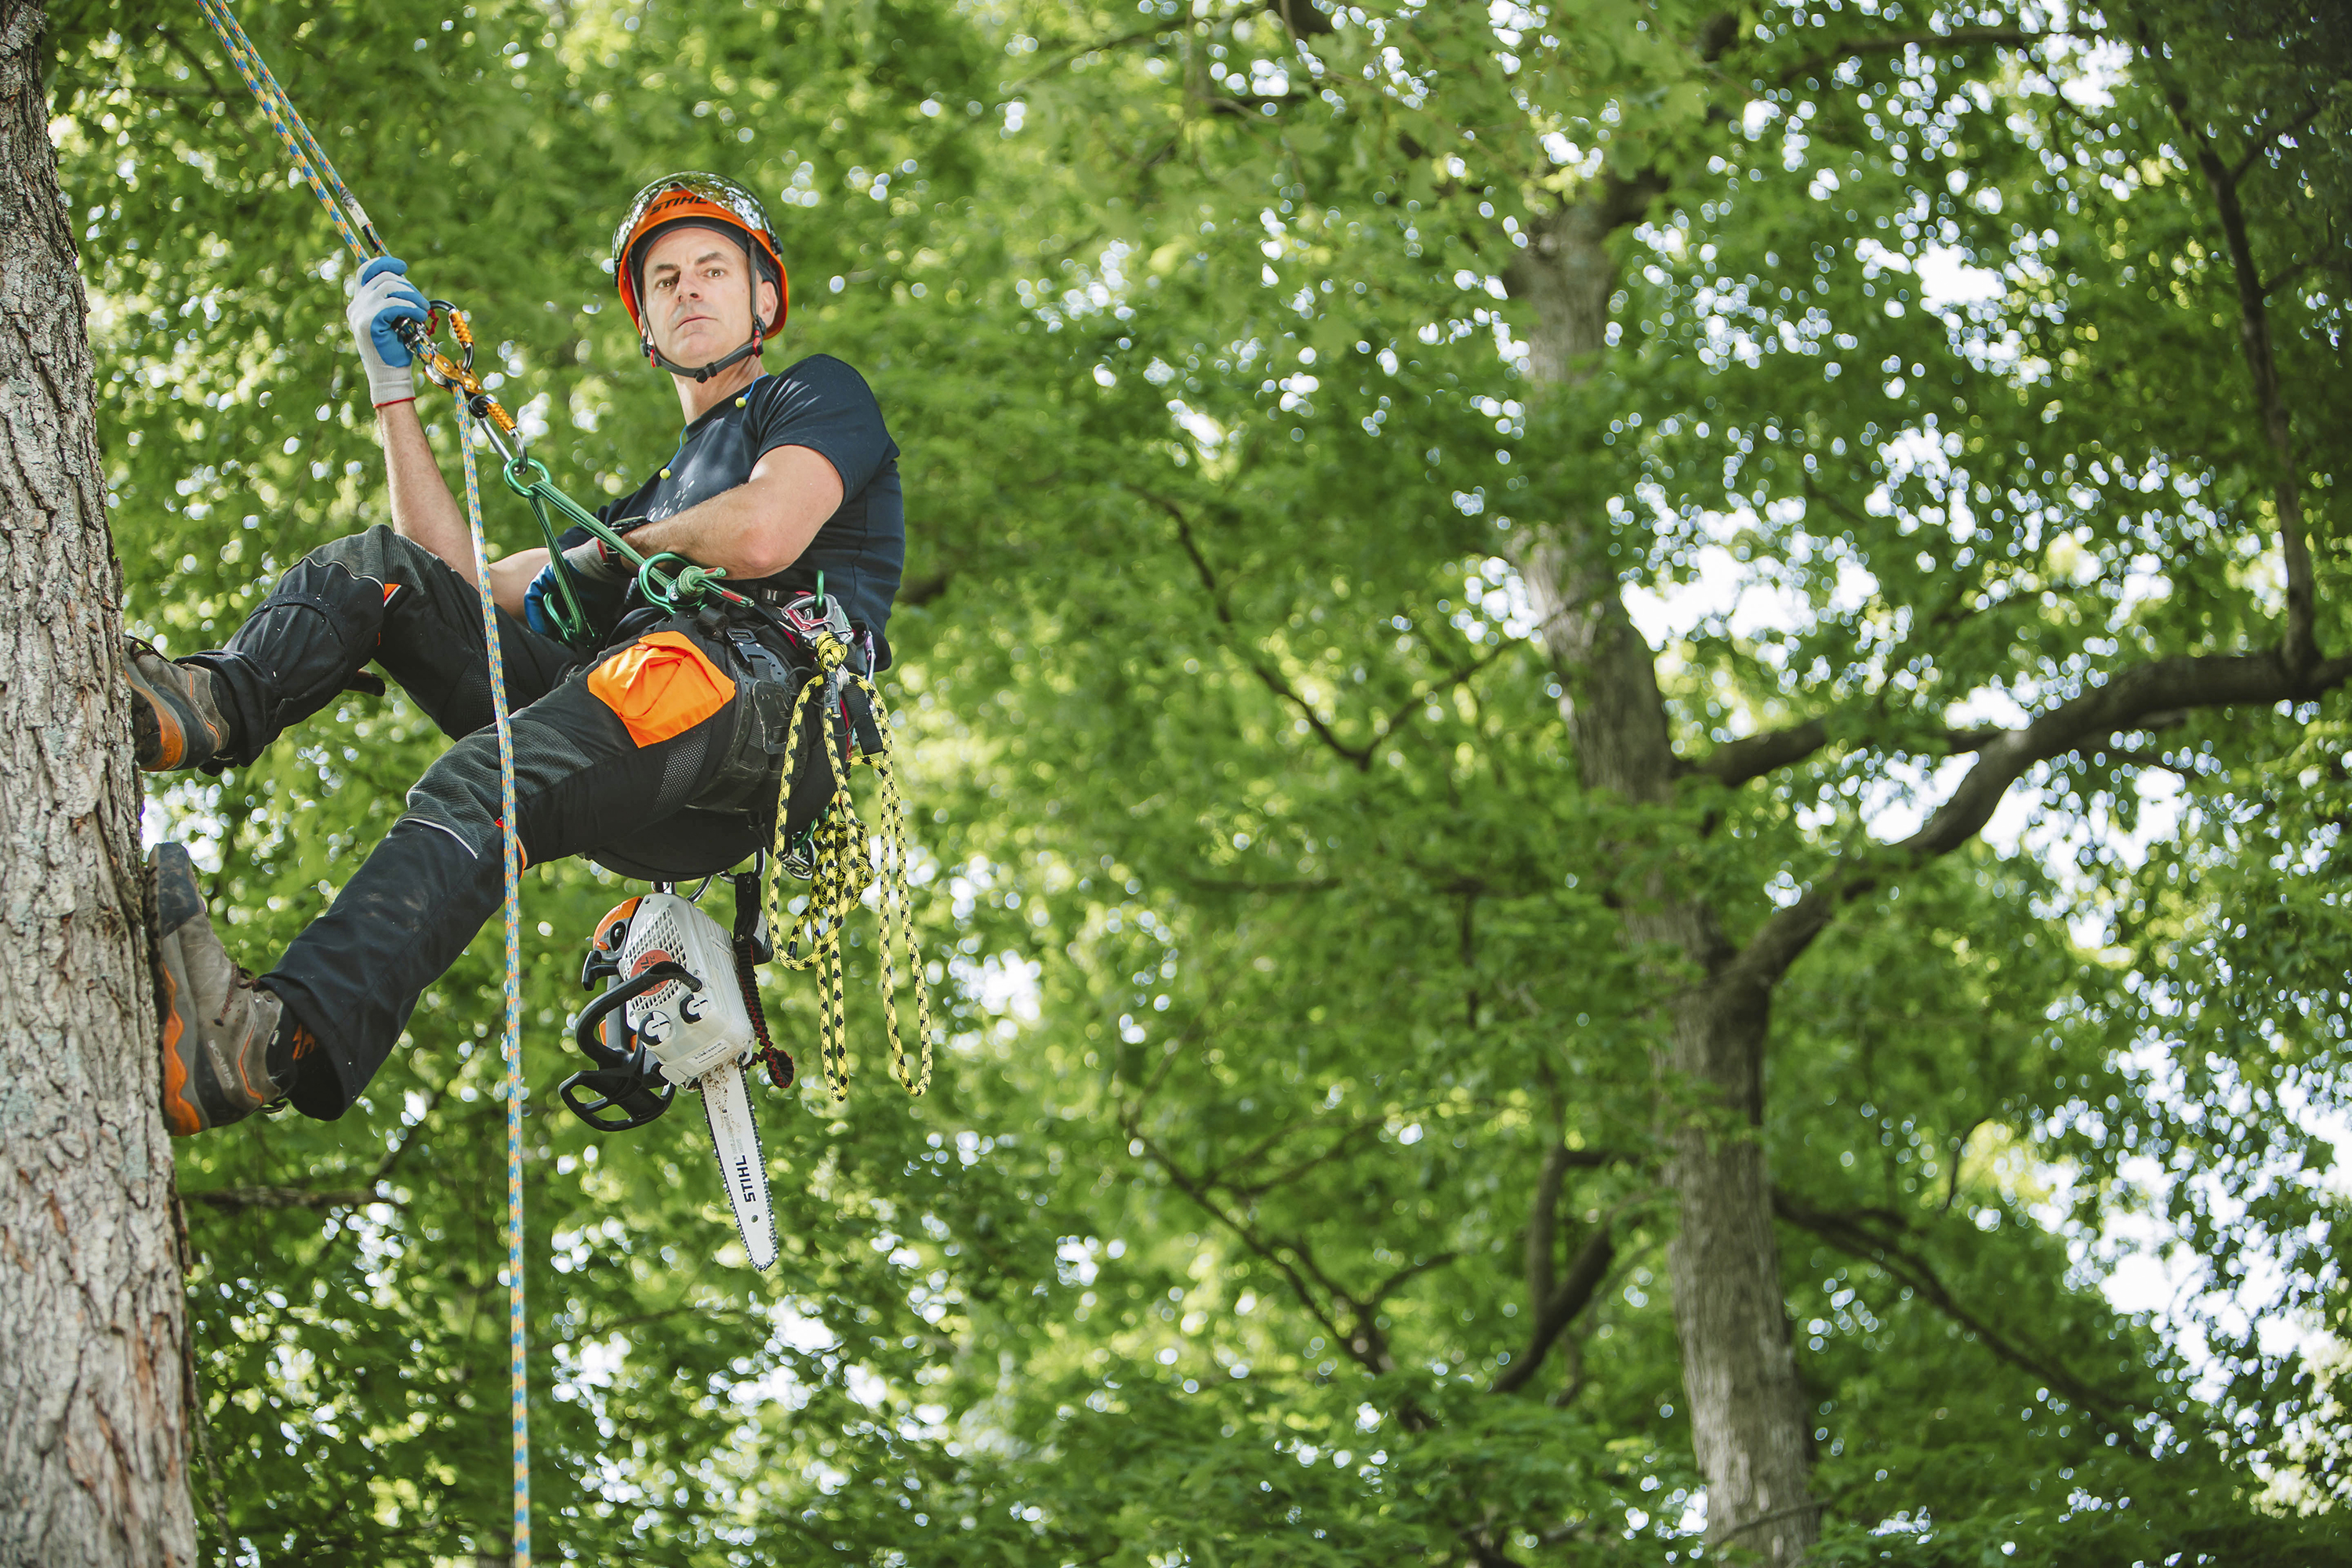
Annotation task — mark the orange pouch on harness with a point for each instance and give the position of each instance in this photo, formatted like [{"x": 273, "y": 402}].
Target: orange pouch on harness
[{"x": 661, "y": 686}]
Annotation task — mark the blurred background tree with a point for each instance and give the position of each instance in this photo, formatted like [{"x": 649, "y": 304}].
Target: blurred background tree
[{"x": 1627, "y": 734}]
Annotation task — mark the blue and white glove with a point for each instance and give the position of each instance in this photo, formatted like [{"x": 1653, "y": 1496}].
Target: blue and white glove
[
  {"x": 538, "y": 600},
  {"x": 599, "y": 575},
  {"x": 383, "y": 299}
]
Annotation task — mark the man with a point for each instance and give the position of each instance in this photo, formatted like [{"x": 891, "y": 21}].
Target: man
[{"x": 644, "y": 749}]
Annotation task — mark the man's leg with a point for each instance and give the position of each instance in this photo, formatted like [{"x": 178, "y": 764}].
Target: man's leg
[
  {"x": 374, "y": 598},
  {"x": 229, "y": 1047},
  {"x": 631, "y": 740}
]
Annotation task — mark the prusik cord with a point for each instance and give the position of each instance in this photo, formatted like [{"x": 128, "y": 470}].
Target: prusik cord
[{"x": 844, "y": 866}]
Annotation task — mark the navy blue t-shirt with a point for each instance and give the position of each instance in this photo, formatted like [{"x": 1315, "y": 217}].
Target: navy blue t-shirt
[{"x": 826, "y": 406}]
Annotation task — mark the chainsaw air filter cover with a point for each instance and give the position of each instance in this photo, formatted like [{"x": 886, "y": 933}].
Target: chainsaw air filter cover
[{"x": 690, "y": 1028}]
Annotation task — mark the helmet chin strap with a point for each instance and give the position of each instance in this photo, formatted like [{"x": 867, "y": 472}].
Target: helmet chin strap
[{"x": 663, "y": 362}]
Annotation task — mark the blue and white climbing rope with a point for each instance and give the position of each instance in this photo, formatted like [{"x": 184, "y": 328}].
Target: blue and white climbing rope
[
  {"x": 511, "y": 851},
  {"x": 302, "y": 149},
  {"x": 311, "y": 160}
]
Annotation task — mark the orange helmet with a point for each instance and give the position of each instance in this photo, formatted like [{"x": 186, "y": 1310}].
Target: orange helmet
[{"x": 703, "y": 200}]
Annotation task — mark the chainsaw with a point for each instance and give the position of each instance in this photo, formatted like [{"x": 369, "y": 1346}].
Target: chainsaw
[{"x": 680, "y": 1009}]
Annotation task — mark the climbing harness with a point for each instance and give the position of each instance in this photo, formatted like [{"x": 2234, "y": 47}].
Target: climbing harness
[{"x": 666, "y": 1020}]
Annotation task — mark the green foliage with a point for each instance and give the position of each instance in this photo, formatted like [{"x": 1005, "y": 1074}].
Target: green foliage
[{"x": 1277, "y": 948}]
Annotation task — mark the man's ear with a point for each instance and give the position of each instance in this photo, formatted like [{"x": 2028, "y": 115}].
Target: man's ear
[{"x": 769, "y": 299}]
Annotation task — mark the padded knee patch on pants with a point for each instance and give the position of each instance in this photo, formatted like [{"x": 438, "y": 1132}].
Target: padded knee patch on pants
[{"x": 316, "y": 630}]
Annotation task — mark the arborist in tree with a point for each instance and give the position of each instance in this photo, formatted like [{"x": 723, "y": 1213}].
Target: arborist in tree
[{"x": 644, "y": 749}]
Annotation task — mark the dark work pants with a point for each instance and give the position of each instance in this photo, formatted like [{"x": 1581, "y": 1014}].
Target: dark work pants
[{"x": 588, "y": 780}]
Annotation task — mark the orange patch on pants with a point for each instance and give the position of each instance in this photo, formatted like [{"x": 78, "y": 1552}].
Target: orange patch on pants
[{"x": 662, "y": 685}]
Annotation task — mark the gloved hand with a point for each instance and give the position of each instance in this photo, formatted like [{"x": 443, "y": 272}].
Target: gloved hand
[
  {"x": 384, "y": 298},
  {"x": 600, "y": 577}
]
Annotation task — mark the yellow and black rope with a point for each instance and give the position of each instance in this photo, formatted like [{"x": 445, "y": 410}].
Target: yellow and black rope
[{"x": 844, "y": 866}]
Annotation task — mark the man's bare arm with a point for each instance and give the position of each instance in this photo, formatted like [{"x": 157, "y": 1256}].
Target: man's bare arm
[
  {"x": 760, "y": 526},
  {"x": 510, "y": 574},
  {"x": 422, "y": 507}
]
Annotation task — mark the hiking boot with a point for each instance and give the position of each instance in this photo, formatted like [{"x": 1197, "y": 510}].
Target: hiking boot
[
  {"x": 175, "y": 721},
  {"x": 217, "y": 1024}
]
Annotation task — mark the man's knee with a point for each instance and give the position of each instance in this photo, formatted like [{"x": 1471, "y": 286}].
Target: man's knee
[
  {"x": 461, "y": 793},
  {"x": 318, "y": 626},
  {"x": 378, "y": 555}
]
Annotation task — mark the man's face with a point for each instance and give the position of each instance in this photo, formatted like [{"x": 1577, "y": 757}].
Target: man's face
[{"x": 697, "y": 295}]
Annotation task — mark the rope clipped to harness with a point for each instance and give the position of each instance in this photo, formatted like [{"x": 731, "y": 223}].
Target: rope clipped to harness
[{"x": 844, "y": 865}]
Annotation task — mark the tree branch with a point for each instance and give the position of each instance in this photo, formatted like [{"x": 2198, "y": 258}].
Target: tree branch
[
  {"x": 1067, "y": 56},
  {"x": 1396, "y": 1281},
  {"x": 1543, "y": 1227},
  {"x": 1283, "y": 1179},
  {"x": 1567, "y": 1300},
  {"x": 1301, "y": 16},
  {"x": 2262, "y": 144},
  {"x": 2300, "y": 647},
  {"x": 1250, "y": 107},
  {"x": 1272, "y": 679},
  {"x": 1386, "y": 727},
  {"x": 2140, "y": 697},
  {"x": 1896, "y": 43},
  {"x": 1268, "y": 1251},
  {"x": 1735, "y": 762},
  {"x": 1851, "y": 1234},
  {"x": 1364, "y": 1341}
]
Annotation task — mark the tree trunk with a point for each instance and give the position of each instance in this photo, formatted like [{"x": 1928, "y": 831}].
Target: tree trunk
[
  {"x": 1748, "y": 1417},
  {"x": 92, "y": 1425}
]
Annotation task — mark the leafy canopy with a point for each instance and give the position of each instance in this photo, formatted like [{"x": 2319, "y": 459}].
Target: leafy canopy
[{"x": 1281, "y": 961}]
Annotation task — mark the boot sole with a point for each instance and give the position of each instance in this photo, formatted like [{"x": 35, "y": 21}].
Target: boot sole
[{"x": 182, "y": 1115}]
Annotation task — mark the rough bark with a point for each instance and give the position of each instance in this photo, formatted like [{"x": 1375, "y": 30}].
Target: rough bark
[
  {"x": 1738, "y": 1373},
  {"x": 92, "y": 1425}
]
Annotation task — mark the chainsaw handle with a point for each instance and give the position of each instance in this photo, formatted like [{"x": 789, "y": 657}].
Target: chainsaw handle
[
  {"x": 588, "y": 1033},
  {"x": 615, "y": 1100},
  {"x": 625, "y": 1088}
]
